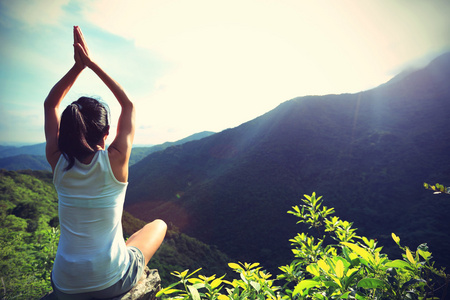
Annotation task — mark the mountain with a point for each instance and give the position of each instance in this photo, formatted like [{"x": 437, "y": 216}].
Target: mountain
[
  {"x": 138, "y": 153},
  {"x": 37, "y": 149},
  {"x": 32, "y": 157},
  {"x": 367, "y": 153},
  {"x": 25, "y": 162}
]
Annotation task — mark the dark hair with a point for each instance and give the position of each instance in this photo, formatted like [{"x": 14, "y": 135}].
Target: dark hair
[{"x": 83, "y": 125}]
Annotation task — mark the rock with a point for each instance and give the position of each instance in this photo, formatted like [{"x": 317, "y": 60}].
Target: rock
[
  {"x": 148, "y": 285},
  {"x": 146, "y": 289}
]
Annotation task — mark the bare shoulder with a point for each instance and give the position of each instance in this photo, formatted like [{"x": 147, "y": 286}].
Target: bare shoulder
[
  {"x": 52, "y": 154},
  {"x": 119, "y": 163}
]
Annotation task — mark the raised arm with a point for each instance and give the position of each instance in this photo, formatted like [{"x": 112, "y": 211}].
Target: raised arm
[
  {"x": 120, "y": 148},
  {"x": 51, "y": 109}
]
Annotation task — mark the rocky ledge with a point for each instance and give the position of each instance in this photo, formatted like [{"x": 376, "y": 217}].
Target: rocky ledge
[{"x": 146, "y": 289}]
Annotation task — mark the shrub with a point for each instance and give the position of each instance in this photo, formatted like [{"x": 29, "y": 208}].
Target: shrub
[{"x": 331, "y": 262}]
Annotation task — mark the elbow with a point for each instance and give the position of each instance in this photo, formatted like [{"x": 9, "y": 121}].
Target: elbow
[
  {"x": 48, "y": 105},
  {"x": 129, "y": 106},
  {"x": 51, "y": 103}
]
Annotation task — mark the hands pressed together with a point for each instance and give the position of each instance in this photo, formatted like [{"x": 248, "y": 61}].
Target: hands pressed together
[
  {"x": 81, "y": 52},
  {"x": 126, "y": 124}
]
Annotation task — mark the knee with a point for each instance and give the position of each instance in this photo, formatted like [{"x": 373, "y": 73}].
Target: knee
[{"x": 159, "y": 224}]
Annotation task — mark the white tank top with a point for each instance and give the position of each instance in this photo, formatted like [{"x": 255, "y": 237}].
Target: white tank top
[{"x": 91, "y": 254}]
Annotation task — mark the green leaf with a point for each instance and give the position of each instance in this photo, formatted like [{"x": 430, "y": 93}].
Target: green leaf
[
  {"x": 358, "y": 296},
  {"x": 396, "y": 239},
  {"x": 323, "y": 265},
  {"x": 216, "y": 283},
  {"x": 351, "y": 275},
  {"x": 234, "y": 266},
  {"x": 331, "y": 284},
  {"x": 410, "y": 257},
  {"x": 360, "y": 251},
  {"x": 400, "y": 264},
  {"x": 412, "y": 282},
  {"x": 255, "y": 285},
  {"x": 369, "y": 243},
  {"x": 370, "y": 283},
  {"x": 318, "y": 296},
  {"x": 168, "y": 290},
  {"x": 424, "y": 254},
  {"x": 339, "y": 269},
  {"x": 313, "y": 269},
  {"x": 194, "y": 280},
  {"x": 254, "y": 265},
  {"x": 198, "y": 285},
  {"x": 305, "y": 284},
  {"x": 194, "y": 293},
  {"x": 184, "y": 273}
]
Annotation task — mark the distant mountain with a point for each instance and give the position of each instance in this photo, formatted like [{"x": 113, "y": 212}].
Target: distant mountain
[
  {"x": 32, "y": 157},
  {"x": 138, "y": 153},
  {"x": 37, "y": 149},
  {"x": 368, "y": 154},
  {"x": 25, "y": 162}
]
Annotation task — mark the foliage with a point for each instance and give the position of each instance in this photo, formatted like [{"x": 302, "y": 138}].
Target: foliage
[
  {"x": 29, "y": 237},
  {"x": 180, "y": 251},
  {"x": 26, "y": 262},
  {"x": 353, "y": 267},
  {"x": 331, "y": 261},
  {"x": 253, "y": 283},
  {"x": 347, "y": 267},
  {"x": 28, "y": 242},
  {"x": 437, "y": 188}
]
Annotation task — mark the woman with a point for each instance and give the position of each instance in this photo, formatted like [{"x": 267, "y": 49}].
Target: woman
[{"x": 93, "y": 260}]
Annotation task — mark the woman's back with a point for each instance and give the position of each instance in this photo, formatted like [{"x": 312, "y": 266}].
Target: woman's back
[{"x": 91, "y": 253}]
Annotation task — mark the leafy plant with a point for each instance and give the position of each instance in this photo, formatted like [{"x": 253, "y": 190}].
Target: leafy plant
[
  {"x": 253, "y": 283},
  {"x": 437, "y": 188},
  {"x": 338, "y": 265}
]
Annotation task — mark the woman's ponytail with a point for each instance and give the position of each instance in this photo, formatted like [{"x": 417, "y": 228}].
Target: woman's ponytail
[{"x": 83, "y": 125}]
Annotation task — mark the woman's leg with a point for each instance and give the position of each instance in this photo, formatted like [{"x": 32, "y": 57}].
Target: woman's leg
[{"x": 149, "y": 238}]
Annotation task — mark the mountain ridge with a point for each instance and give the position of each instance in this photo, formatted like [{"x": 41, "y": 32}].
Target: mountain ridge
[
  {"x": 33, "y": 156},
  {"x": 368, "y": 153}
]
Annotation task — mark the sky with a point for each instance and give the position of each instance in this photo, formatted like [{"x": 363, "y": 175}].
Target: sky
[{"x": 206, "y": 65}]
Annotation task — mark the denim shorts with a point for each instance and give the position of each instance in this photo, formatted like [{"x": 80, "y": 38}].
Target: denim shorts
[{"x": 126, "y": 283}]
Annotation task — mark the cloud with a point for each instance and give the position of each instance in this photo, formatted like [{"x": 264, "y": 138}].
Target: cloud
[
  {"x": 300, "y": 46},
  {"x": 231, "y": 61},
  {"x": 21, "y": 124},
  {"x": 208, "y": 65},
  {"x": 35, "y": 12}
]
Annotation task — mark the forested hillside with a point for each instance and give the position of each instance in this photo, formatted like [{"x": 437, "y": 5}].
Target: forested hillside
[
  {"x": 28, "y": 211},
  {"x": 368, "y": 154},
  {"x": 29, "y": 236}
]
